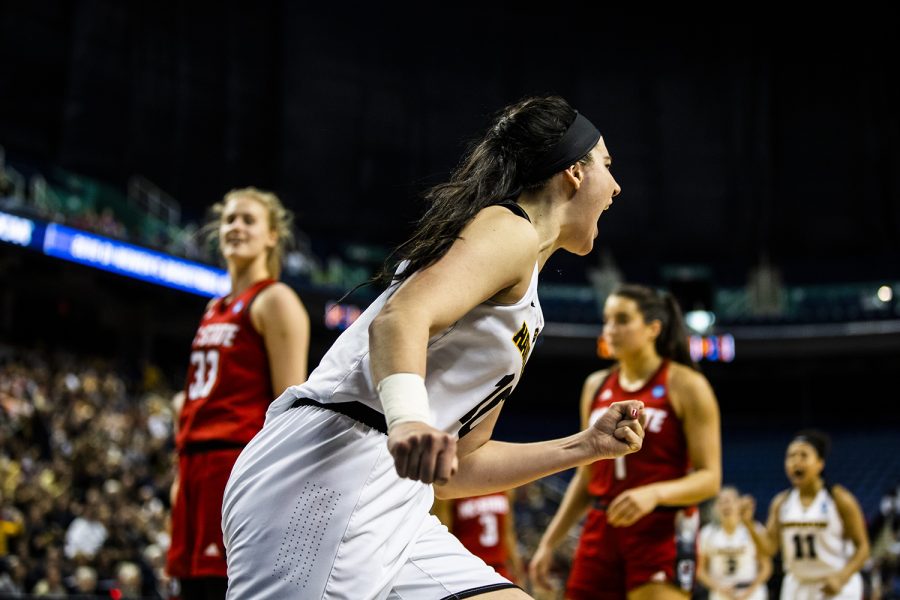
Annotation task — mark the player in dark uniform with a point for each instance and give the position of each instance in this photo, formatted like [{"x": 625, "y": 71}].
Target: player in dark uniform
[
  {"x": 249, "y": 347},
  {"x": 639, "y": 537},
  {"x": 486, "y": 526}
]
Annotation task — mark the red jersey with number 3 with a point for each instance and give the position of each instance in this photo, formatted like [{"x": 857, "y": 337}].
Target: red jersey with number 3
[
  {"x": 663, "y": 455},
  {"x": 479, "y": 523},
  {"x": 228, "y": 386}
]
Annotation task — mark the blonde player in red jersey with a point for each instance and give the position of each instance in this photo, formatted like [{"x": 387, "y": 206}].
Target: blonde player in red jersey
[
  {"x": 486, "y": 526},
  {"x": 250, "y": 346},
  {"x": 639, "y": 537}
]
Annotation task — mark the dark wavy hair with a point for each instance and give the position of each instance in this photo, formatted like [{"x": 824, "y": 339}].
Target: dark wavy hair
[
  {"x": 495, "y": 168},
  {"x": 816, "y": 438},
  {"x": 672, "y": 342}
]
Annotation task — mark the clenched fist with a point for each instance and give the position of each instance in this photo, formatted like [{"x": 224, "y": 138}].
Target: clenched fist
[
  {"x": 619, "y": 431},
  {"x": 423, "y": 453}
]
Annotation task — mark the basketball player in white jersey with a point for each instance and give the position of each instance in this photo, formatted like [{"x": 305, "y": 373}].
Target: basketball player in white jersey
[
  {"x": 728, "y": 563},
  {"x": 819, "y": 529},
  {"x": 331, "y": 499}
]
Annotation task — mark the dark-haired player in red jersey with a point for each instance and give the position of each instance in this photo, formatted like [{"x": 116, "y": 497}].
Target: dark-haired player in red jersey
[
  {"x": 486, "y": 526},
  {"x": 250, "y": 346},
  {"x": 639, "y": 539}
]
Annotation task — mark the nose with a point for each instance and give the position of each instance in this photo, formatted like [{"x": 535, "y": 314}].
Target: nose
[{"x": 617, "y": 190}]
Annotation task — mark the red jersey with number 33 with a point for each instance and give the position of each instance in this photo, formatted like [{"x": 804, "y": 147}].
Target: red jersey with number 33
[
  {"x": 479, "y": 523},
  {"x": 228, "y": 386},
  {"x": 663, "y": 455}
]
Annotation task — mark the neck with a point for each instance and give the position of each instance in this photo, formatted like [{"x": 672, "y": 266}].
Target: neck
[
  {"x": 729, "y": 524},
  {"x": 638, "y": 367},
  {"x": 809, "y": 490},
  {"x": 539, "y": 207},
  {"x": 243, "y": 276}
]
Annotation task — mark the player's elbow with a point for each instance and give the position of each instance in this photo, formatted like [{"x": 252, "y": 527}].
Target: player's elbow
[
  {"x": 386, "y": 322},
  {"x": 712, "y": 483},
  {"x": 716, "y": 481},
  {"x": 448, "y": 491}
]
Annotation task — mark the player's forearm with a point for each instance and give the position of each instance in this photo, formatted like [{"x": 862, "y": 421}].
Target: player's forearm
[
  {"x": 498, "y": 466},
  {"x": 763, "y": 571},
  {"x": 705, "y": 580},
  {"x": 765, "y": 546},
  {"x": 856, "y": 562},
  {"x": 516, "y": 565},
  {"x": 397, "y": 344},
  {"x": 688, "y": 490}
]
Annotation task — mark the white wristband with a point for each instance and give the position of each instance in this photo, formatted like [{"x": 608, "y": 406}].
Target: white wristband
[{"x": 404, "y": 398}]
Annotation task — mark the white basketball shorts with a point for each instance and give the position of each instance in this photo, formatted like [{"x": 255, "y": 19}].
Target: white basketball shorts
[
  {"x": 792, "y": 589},
  {"x": 315, "y": 510}
]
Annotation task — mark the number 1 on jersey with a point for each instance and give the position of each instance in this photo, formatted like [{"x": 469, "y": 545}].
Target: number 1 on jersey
[{"x": 620, "y": 467}]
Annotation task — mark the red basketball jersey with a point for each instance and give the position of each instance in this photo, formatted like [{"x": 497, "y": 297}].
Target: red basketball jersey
[
  {"x": 228, "y": 386},
  {"x": 479, "y": 523},
  {"x": 664, "y": 453}
]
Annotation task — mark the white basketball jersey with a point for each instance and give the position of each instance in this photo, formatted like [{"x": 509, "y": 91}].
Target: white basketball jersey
[
  {"x": 731, "y": 557},
  {"x": 471, "y": 368},
  {"x": 812, "y": 537}
]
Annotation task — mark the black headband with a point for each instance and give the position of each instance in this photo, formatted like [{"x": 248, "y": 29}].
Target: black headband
[{"x": 576, "y": 142}]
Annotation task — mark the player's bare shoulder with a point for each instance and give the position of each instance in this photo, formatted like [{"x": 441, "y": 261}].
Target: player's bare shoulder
[
  {"x": 595, "y": 380},
  {"x": 515, "y": 233},
  {"x": 275, "y": 303},
  {"x": 276, "y": 293},
  {"x": 592, "y": 383},
  {"x": 684, "y": 378},
  {"x": 507, "y": 244},
  {"x": 688, "y": 388},
  {"x": 843, "y": 497},
  {"x": 778, "y": 501}
]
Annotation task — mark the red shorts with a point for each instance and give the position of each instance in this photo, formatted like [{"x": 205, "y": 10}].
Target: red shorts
[
  {"x": 612, "y": 561},
  {"x": 197, "y": 549}
]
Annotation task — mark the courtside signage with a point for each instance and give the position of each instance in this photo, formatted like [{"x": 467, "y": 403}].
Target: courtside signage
[{"x": 114, "y": 256}]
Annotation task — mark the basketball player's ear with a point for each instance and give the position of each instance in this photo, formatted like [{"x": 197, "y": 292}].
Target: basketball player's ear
[
  {"x": 655, "y": 328},
  {"x": 574, "y": 176}
]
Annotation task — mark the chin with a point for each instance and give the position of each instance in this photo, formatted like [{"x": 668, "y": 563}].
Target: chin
[{"x": 583, "y": 249}]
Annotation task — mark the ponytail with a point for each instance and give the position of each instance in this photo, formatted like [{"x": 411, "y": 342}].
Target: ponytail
[
  {"x": 499, "y": 166},
  {"x": 673, "y": 339}
]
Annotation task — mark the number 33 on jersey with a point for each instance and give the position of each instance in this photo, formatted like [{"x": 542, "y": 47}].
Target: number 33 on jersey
[{"x": 228, "y": 387}]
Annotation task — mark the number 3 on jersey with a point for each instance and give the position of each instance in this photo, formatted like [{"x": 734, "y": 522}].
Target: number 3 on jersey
[
  {"x": 206, "y": 369},
  {"x": 490, "y": 530}
]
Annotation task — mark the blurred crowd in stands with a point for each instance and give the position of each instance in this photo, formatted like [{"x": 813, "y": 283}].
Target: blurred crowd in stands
[
  {"x": 86, "y": 463},
  {"x": 85, "y": 470}
]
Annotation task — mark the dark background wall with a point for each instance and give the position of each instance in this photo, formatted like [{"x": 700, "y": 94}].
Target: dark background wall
[{"x": 730, "y": 139}]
